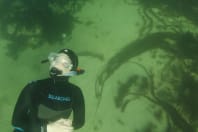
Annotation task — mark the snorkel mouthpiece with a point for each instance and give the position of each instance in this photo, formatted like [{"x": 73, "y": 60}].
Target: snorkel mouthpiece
[{"x": 54, "y": 72}]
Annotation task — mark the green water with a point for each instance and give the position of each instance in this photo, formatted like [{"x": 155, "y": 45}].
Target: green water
[{"x": 140, "y": 59}]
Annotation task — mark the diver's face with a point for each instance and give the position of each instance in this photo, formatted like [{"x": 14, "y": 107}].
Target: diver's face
[{"x": 61, "y": 62}]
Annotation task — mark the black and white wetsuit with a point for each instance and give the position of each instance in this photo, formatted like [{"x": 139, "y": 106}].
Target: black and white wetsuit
[{"x": 48, "y": 100}]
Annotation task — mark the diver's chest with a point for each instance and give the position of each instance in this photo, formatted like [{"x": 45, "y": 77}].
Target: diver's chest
[{"x": 55, "y": 98}]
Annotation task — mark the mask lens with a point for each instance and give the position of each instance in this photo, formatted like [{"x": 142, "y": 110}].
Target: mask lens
[
  {"x": 58, "y": 59},
  {"x": 52, "y": 57}
]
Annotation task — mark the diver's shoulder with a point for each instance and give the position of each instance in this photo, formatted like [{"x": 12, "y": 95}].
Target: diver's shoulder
[
  {"x": 40, "y": 81},
  {"x": 75, "y": 88},
  {"x": 73, "y": 85}
]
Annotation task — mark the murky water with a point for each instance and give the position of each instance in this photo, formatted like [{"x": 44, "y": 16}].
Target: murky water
[{"x": 140, "y": 59}]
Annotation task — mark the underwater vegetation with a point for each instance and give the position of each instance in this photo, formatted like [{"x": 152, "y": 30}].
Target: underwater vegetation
[
  {"x": 166, "y": 26},
  {"x": 186, "y": 87},
  {"x": 185, "y": 8},
  {"x": 170, "y": 15},
  {"x": 32, "y": 23}
]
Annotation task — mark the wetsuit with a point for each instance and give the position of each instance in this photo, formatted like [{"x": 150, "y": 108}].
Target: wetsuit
[{"x": 48, "y": 100}]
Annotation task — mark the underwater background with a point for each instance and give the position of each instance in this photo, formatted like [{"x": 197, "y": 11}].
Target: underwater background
[{"x": 140, "y": 58}]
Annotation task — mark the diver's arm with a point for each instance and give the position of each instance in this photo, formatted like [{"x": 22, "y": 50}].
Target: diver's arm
[
  {"x": 78, "y": 109},
  {"x": 20, "y": 118}
]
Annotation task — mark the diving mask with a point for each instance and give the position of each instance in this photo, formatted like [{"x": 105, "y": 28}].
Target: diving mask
[{"x": 60, "y": 64}]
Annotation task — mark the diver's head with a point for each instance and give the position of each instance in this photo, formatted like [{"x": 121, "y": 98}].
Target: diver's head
[{"x": 63, "y": 63}]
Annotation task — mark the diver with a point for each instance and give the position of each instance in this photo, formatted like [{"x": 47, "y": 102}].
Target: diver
[{"x": 47, "y": 105}]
